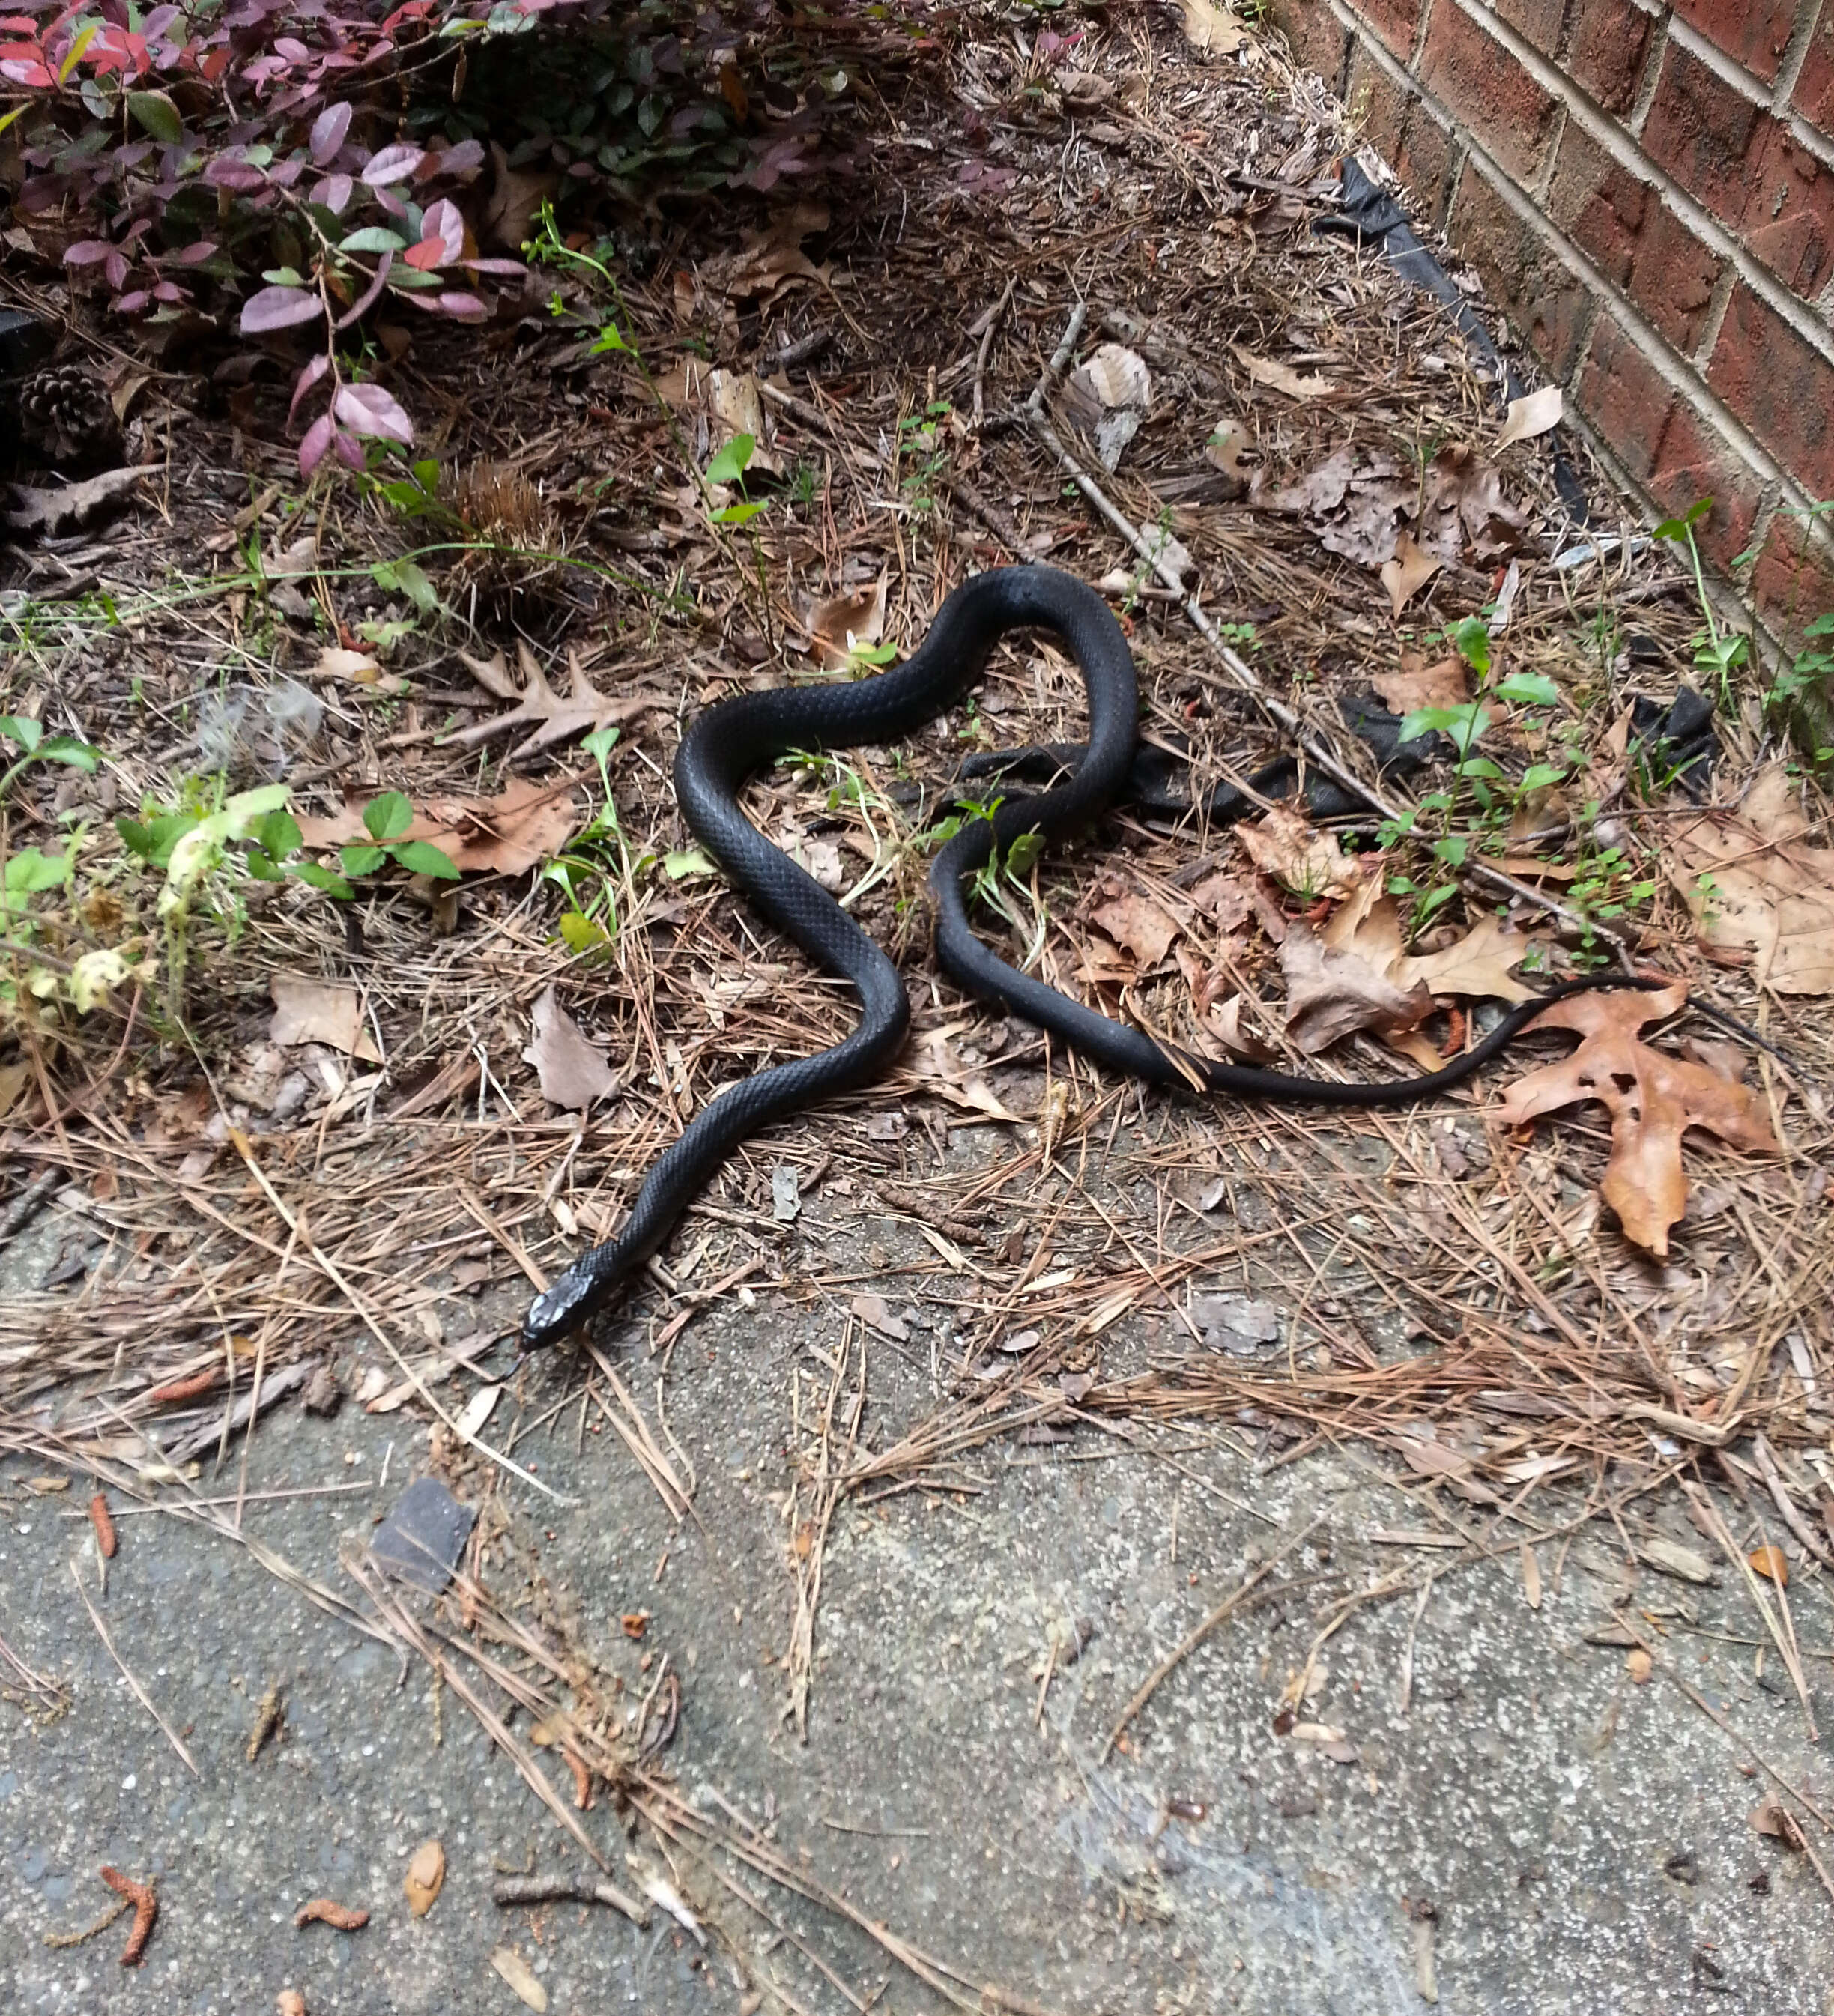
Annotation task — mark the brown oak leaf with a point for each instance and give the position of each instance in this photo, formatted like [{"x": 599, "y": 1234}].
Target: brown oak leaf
[{"x": 1653, "y": 1099}]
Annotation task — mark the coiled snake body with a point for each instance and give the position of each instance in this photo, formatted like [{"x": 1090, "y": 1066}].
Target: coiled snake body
[{"x": 731, "y": 741}]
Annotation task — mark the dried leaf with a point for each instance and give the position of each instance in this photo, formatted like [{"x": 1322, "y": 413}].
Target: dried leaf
[
  {"x": 425, "y": 1874},
  {"x": 1753, "y": 885},
  {"x": 1480, "y": 963},
  {"x": 1464, "y": 505},
  {"x": 1330, "y": 994},
  {"x": 871, "y": 1310},
  {"x": 1639, "y": 1665},
  {"x": 478, "y": 1409},
  {"x": 1418, "y": 684},
  {"x": 1114, "y": 377},
  {"x": 1315, "y": 491},
  {"x": 573, "y": 1071},
  {"x": 49, "y": 513},
  {"x": 516, "y": 198},
  {"x": 1310, "y": 863},
  {"x": 1408, "y": 572},
  {"x": 1224, "y": 1022},
  {"x": 1536, "y": 413},
  {"x": 536, "y": 703},
  {"x": 319, "y": 1011},
  {"x": 1282, "y": 377},
  {"x": 335, "y": 662},
  {"x": 517, "y": 1971},
  {"x": 1233, "y": 1324},
  {"x": 845, "y": 620},
  {"x": 1652, "y": 1098},
  {"x": 1531, "y": 1577},
  {"x": 507, "y": 835},
  {"x": 1224, "y": 450},
  {"x": 1683, "y": 1563},
  {"x": 1769, "y": 1563},
  {"x": 738, "y": 406},
  {"x": 1139, "y": 926},
  {"x": 1213, "y": 30}
]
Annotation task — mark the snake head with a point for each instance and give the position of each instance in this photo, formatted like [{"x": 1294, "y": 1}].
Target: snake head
[{"x": 557, "y": 1309}]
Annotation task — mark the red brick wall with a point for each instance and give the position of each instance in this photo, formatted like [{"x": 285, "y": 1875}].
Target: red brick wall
[{"x": 1648, "y": 187}]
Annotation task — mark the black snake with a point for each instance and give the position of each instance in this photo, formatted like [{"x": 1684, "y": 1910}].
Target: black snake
[{"x": 728, "y": 743}]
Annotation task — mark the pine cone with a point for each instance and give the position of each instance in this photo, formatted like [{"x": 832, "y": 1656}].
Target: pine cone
[{"x": 65, "y": 419}]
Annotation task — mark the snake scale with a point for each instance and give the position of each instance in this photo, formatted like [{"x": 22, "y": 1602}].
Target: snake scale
[{"x": 730, "y": 742}]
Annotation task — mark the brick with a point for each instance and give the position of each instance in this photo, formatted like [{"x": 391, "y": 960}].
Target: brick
[
  {"x": 1789, "y": 222},
  {"x": 1673, "y": 277},
  {"x": 1779, "y": 386},
  {"x": 1814, "y": 88},
  {"x": 1545, "y": 301},
  {"x": 1693, "y": 460},
  {"x": 1316, "y": 37},
  {"x": 1424, "y": 165},
  {"x": 1538, "y": 22},
  {"x": 1489, "y": 90},
  {"x": 1625, "y": 397},
  {"x": 1606, "y": 51},
  {"x": 1397, "y": 22},
  {"x": 1756, "y": 32},
  {"x": 1599, "y": 204},
  {"x": 1793, "y": 580},
  {"x": 1376, "y": 103},
  {"x": 1710, "y": 137}
]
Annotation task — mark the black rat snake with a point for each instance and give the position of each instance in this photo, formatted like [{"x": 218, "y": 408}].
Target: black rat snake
[{"x": 729, "y": 741}]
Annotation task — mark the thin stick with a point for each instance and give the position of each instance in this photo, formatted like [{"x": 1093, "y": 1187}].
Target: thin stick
[
  {"x": 1784, "y": 1634},
  {"x": 140, "y": 1694},
  {"x": 510, "y": 1890},
  {"x": 1221, "y": 1615}
]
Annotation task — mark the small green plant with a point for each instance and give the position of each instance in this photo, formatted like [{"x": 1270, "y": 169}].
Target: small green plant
[
  {"x": 597, "y": 866},
  {"x": 1717, "y": 653},
  {"x": 385, "y": 820},
  {"x": 921, "y": 443},
  {"x": 728, "y": 467},
  {"x": 30, "y": 871}
]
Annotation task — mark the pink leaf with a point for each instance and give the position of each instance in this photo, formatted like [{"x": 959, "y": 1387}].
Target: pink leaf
[
  {"x": 456, "y": 161},
  {"x": 510, "y": 266},
  {"x": 86, "y": 252},
  {"x": 427, "y": 255},
  {"x": 277, "y": 308},
  {"x": 368, "y": 409},
  {"x": 334, "y": 192},
  {"x": 227, "y": 171},
  {"x": 115, "y": 269},
  {"x": 170, "y": 290},
  {"x": 328, "y": 131},
  {"x": 349, "y": 449},
  {"x": 366, "y": 300},
  {"x": 393, "y": 164},
  {"x": 443, "y": 222},
  {"x": 312, "y": 450},
  {"x": 461, "y": 306},
  {"x": 194, "y": 253},
  {"x": 132, "y": 303},
  {"x": 309, "y": 376}
]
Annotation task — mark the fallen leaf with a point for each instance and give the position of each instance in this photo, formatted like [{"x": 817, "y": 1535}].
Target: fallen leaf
[
  {"x": 1639, "y": 1665},
  {"x": 517, "y": 1971},
  {"x": 1315, "y": 491},
  {"x": 1224, "y": 1022},
  {"x": 1310, "y": 863},
  {"x": 1233, "y": 1324},
  {"x": 1418, "y": 684},
  {"x": 573, "y": 1071},
  {"x": 1408, "y": 572},
  {"x": 1683, "y": 1563},
  {"x": 770, "y": 261},
  {"x": 871, "y": 1310},
  {"x": 50, "y": 513},
  {"x": 1464, "y": 505},
  {"x": 1753, "y": 885},
  {"x": 478, "y": 1411},
  {"x": 1531, "y": 1577},
  {"x": 320, "y": 1011},
  {"x": 425, "y": 1874},
  {"x": 535, "y": 702},
  {"x": 1224, "y": 450},
  {"x": 1769, "y": 1563},
  {"x": 1777, "y": 1822},
  {"x": 1139, "y": 926},
  {"x": 525, "y": 823},
  {"x": 1535, "y": 413},
  {"x": 1085, "y": 88},
  {"x": 738, "y": 406},
  {"x": 1112, "y": 375},
  {"x": 1282, "y": 377},
  {"x": 516, "y": 198},
  {"x": 1330, "y": 994},
  {"x": 336, "y": 662},
  {"x": 1481, "y": 963},
  {"x": 1213, "y": 30},
  {"x": 844, "y": 621},
  {"x": 786, "y": 1197},
  {"x": 1652, "y": 1098}
]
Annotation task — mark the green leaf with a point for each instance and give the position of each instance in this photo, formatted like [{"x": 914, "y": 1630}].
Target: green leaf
[
  {"x": 372, "y": 238},
  {"x": 598, "y": 744},
  {"x": 361, "y": 860},
  {"x": 29, "y": 871},
  {"x": 1538, "y": 776},
  {"x": 260, "y": 864},
  {"x": 1022, "y": 856},
  {"x": 315, "y": 877},
  {"x": 1453, "y": 848},
  {"x": 609, "y": 339},
  {"x": 1472, "y": 640},
  {"x": 421, "y": 857},
  {"x": 1530, "y": 689},
  {"x": 689, "y": 862},
  {"x": 1433, "y": 900},
  {"x": 738, "y": 514},
  {"x": 581, "y": 933},
  {"x": 153, "y": 840},
  {"x": 387, "y": 817},
  {"x": 68, "y": 749},
  {"x": 18, "y": 727},
  {"x": 1479, "y": 766},
  {"x": 278, "y": 833},
  {"x": 156, "y": 114},
  {"x": 407, "y": 578},
  {"x": 733, "y": 460}
]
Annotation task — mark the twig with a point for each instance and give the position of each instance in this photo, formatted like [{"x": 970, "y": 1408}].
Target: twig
[
  {"x": 274, "y": 1387},
  {"x": 1783, "y": 1634},
  {"x": 140, "y": 1694},
  {"x": 511, "y": 1890},
  {"x": 990, "y": 326},
  {"x": 1221, "y": 1615},
  {"x": 1792, "y": 1518},
  {"x": 145, "y": 1910}
]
